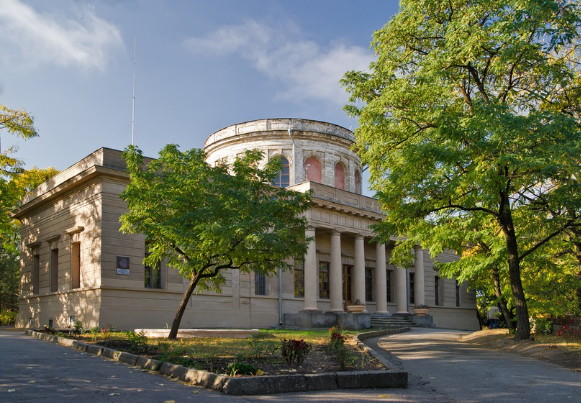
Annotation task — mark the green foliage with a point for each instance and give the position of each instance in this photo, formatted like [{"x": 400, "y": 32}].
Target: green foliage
[
  {"x": 138, "y": 341},
  {"x": 294, "y": 352},
  {"x": 241, "y": 368},
  {"x": 470, "y": 126},
  {"x": 7, "y": 317},
  {"x": 205, "y": 219}
]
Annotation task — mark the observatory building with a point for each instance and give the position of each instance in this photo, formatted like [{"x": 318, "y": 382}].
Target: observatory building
[{"x": 77, "y": 266}]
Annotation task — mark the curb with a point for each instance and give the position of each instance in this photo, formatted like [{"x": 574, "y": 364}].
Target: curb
[{"x": 251, "y": 385}]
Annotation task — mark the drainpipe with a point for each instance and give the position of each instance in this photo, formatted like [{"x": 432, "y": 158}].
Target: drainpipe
[{"x": 280, "y": 314}]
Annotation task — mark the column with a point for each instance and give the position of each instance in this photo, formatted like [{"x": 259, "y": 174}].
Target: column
[
  {"x": 419, "y": 289},
  {"x": 335, "y": 275},
  {"x": 359, "y": 271},
  {"x": 380, "y": 278},
  {"x": 401, "y": 294},
  {"x": 311, "y": 278}
]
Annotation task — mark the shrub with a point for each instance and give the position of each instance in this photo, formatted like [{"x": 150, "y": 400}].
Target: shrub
[
  {"x": 294, "y": 351},
  {"x": 7, "y": 317},
  {"x": 337, "y": 344},
  {"x": 77, "y": 328},
  {"x": 241, "y": 368},
  {"x": 138, "y": 341}
]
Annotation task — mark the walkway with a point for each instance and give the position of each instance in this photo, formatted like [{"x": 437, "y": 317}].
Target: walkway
[{"x": 457, "y": 372}]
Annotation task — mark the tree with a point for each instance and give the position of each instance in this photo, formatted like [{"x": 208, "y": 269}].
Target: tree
[
  {"x": 203, "y": 220},
  {"x": 456, "y": 124}
]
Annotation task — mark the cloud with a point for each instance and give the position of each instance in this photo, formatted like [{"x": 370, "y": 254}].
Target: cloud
[
  {"x": 307, "y": 70},
  {"x": 30, "y": 38}
]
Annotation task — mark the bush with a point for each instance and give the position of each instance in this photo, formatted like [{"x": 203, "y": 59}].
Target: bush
[
  {"x": 138, "y": 341},
  {"x": 294, "y": 351},
  {"x": 241, "y": 368},
  {"x": 7, "y": 318}
]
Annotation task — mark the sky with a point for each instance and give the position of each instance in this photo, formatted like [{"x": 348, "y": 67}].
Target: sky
[{"x": 199, "y": 66}]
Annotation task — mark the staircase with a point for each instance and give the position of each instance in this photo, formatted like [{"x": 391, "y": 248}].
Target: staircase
[{"x": 390, "y": 321}]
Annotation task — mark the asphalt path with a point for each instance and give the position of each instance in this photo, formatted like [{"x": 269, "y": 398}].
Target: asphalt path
[
  {"x": 441, "y": 370},
  {"x": 452, "y": 371}
]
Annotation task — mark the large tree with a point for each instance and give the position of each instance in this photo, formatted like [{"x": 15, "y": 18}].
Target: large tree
[
  {"x": 456, "y": 123},
  {"x": 205, "y": 219},
  {"x": 14, "y": 183}
]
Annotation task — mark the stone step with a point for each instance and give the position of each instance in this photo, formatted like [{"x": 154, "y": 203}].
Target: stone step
[{"x": 390, "y": 322}]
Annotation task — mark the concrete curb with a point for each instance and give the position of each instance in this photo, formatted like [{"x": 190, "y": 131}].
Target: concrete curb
[
  {"x": 368, "y": 335},
  {"x": 252, "y": 385}
]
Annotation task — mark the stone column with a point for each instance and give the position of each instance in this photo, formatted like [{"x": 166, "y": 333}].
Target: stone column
[
  {"x": 335, "y": 275},
  {"x": 401, "y": 294},
  {"x": 359, "y": 270},
  {"x": 419, "y": 289},
  {"x": 311, "y": 279},
  {"x": 380, "y": 278}
]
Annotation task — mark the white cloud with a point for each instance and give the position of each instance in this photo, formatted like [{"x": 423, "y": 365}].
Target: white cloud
[
  {"x": 307, "y": 70},
  {"x": 30, "y": 38}
]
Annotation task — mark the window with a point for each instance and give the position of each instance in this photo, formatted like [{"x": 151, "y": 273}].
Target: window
[
  {"x": 152, "y": 275},
  {"x": 347, "y": 282},
  {"x": 35, "y": 273},
  {"x": 388, "y": 286},
  {"x": 368, "y": 284},
  {"x": 323, "y": 279},
  {"x": 457, "y": 293},
  {"x": 437, "y": 290},
  {"x": 412, "y": 286},
  {"x": 282, "y": 180},
  {"x": 259, "y": 283},
  {"x": 54, "y": 270},
  {"x": 76, "y": 265},
  {"x": 340, "y": 175},
  {"x": 299, "y": 278},
  {"x": 312, "y": 168},
  {"x": 357, "y": 181}
]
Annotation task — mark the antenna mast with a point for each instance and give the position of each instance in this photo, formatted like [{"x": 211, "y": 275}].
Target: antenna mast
[{"x": 133, "y": 104}]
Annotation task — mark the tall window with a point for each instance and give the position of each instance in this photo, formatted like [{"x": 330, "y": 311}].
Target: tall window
[
  {"x": 259, "y": 283},
  {"x": 323, "y": 279},
  {"x": 76, "y": 265},
  {"x": 340, "y": 175},
  {"x": 457, "y": 293},
  {"x": 152, "y": 275},
  {"x": 437, "y": 290},
  {"x": 388, "y": 285},
  {"x": 54, "y": 270},
  {"x": 357, "y": 181},
  {"x": 412, "y": 277},
  {"x": 347, "y": 282},
  {"x": 282, "y": 180},
  {"x": 368, "y": 284},
  {"x": 299, "y": 277},
  {"x": 35, "y": 272},
  {"x": 312, "y": 168}
]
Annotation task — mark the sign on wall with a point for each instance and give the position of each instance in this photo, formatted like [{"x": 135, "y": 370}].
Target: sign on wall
[{"x": 123, "y": 265}]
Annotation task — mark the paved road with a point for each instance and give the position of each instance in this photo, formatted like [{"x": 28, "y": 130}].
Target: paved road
[
  {"x": 32, "y": 370},
  {"x": 441, "y": 370},
  {"x": 457, "y": 372}
]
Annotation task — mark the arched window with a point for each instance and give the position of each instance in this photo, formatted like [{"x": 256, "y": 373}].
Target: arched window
[
  {"x": 340, "y": 175},
  {"x": 312, "y": 167},
  {"x": 282, "y": 180},
  {"x": 357, "y": 181}
]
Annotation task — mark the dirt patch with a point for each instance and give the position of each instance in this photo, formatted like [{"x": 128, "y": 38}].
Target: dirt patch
[{"x": 501, "y": 340}]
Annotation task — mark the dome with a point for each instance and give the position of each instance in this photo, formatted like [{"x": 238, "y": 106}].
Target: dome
[{"x": 312, "y": 150}]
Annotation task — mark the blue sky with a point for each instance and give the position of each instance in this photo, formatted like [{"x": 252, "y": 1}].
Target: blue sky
[{"x": 201, "y": 66}]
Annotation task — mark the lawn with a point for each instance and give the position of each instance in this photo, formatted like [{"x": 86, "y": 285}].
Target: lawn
[{"x": 263, "y": 353}]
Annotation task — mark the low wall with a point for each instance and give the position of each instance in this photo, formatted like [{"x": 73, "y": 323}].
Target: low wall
[{"x": 317, "y": 319}]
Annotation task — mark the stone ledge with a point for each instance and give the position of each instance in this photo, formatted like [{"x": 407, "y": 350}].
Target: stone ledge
[
  {"x": 186, "y": 333},
  {"x": 250, "y": 385}
]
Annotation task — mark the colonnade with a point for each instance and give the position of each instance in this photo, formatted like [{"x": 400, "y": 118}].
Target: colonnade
[{"x": 336, "y": 297}]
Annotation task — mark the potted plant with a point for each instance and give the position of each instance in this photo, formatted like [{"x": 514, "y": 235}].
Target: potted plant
[{"x": 420, "y": 310}]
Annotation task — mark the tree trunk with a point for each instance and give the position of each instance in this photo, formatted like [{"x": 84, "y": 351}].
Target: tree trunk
[
  {"x": 175, "y": 326},
  {"x": 501, "y": 301},
  {"x": 523, "y": 327}
]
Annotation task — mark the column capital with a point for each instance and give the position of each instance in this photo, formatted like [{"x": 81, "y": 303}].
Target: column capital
[{"x": 359, "y": 236}]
